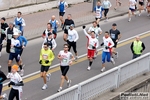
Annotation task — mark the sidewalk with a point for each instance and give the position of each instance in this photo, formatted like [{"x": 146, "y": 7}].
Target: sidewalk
[{"x": 36, "y": 23}]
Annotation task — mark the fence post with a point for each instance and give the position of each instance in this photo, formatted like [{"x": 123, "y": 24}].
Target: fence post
[
  {"x": 79, "y": 91},
  {"x": 118, "y": 78}
]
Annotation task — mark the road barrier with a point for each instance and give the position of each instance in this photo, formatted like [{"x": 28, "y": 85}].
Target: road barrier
[{"x": 105, "y": 81}]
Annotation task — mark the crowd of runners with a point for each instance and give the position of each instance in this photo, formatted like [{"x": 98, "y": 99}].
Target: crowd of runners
[{"x": 12, "y": 34}]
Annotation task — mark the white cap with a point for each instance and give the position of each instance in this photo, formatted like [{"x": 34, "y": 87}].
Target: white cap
[{"x": 15, "y": 33}]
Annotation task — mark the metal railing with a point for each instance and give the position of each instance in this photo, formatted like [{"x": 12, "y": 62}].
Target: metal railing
[{"x": 106, "y": 81}]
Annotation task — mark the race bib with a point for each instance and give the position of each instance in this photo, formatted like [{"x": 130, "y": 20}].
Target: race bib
[
  {"x": 18, "y": 27},
  {"x": 67, "y": 27},
  {"x": 9, "y": 36},
  {"x": 113, "y": 36},
  {"x": 70, "y": 37},
  {"x": 64, "y": 60},
  {"x": 90, "y": 46},
  {"x": 2, "y": 31},
  {"x": 45, "y": 56},
  {"x": 12, "y": 50}
]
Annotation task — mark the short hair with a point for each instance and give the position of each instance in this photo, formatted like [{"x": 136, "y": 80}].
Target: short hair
[
  {"x": 69, "y": 14},
  {"x": 107, "y": 32},
  {"x": 20, "y": 13},
  {"x": 66, "y": 45},
  {"x": 93, "y": 32},
  {"x": 46, "y": 43},
  {"x": 94, "y": 22},
  {"x": 49, "y": 24}
]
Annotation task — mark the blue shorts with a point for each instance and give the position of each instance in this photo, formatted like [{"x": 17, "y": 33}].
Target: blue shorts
[
  {"x": 132, "y": 9},
  {"x": 14, "y": 55},
  {"x": 104, "y": 55}
]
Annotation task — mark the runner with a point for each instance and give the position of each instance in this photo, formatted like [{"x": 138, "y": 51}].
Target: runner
[
  {"x": 106, "y": 5},
  {"x": 23, "y": 44},
  {"x": 9, "y": 35},
  {"x": 15, "y": 53},
  {"x": 115, "y": 36},
  {"x": 46, "y": 58},
  {"x": 72, "y": 39},
  {"x": 132, "y": 8},
  {"x": 108, "y": 44},
  {"x": 19, "y": 22},
  {"x": 2, "y": 79},
  {"x": 117, "y": 2},
  {"x": 98, "y": 12},
  {"x": 148, "y": 8},
  {"x": 49, "y": 29},
  {"x": 3, "y": 36},
  {"x": 92, "y": 45},
  {"x": 98, "y": 32},
  {"x": 141, "y": 6},
  {"x": 62, "y": 5},
  {"x": 16, "y": 84},
  {"x": 51, "y": 42},
  {"x": 67, "y": 24},
  {"x": 54, "y": 23},
  {"x": 66, "y": 59},
  {"x": 137, "y": 47}
]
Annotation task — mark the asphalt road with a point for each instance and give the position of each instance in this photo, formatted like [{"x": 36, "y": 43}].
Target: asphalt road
[{"x": 78, "y": 72}]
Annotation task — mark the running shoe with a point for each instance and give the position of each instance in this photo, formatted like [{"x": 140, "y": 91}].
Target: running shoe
[
  {"x": 21, "y": 72},
  {"x": 60, "y": 89},
  {"x": 116, "y": 55},
  {"x": 112, "y": 61},
  {"x": 48, "y": 77},
  {"x": 89, "y": 68},
  {"x": 69, "y": 83},
  {"x": 5, "y": 96},
  {"x": 44, "y": 87},
  {"x": 102, "y": 69}
]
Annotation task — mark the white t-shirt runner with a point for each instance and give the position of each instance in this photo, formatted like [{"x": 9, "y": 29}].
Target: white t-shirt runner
[
  {"x": 132, "y": 4},
  {"x": 96, "y": 29},
  {"x": 66, "y": 58}
]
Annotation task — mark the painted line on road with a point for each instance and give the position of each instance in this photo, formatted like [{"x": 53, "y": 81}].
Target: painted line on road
[{"x": 82, "y": 58}]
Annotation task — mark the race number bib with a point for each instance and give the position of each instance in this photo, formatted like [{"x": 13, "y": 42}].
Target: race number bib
[
  {"x": 67, "y": 27},
  {"x": 70, "y": 37},
  {"x": 45, "y": 56},
  {"x": 9, "y": 36},
  {"x": 113, "y": 36},
  {"x": 12, "y": 50},
  {"x": 18, "y": 27},
  {"x": 90, "y": 46},
  {"x": 2, "y": 31}
]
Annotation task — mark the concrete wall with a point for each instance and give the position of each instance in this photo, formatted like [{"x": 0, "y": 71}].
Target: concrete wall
[{"x": 7, "y": 12}]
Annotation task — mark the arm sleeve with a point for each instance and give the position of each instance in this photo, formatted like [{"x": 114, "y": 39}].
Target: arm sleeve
[
  {"x": 19, "y": 84},
  {"x": 24, "y": 40},
  {"x": 66, "y": 5},
  {"x": 23, "y": 22},
  {"x": 3, "y": 77},
  {"x": 51, "y": 56},
  {"x": 77, "y": 36},
  {"x": 131, "y": 47},
  {"x": 112, "y": 43},
  {"x": 86, "y": 33},
  {"x": 143, "y": 46},
  {"x": 54, "y": 44},
  {"x": 41, "y": 54}
]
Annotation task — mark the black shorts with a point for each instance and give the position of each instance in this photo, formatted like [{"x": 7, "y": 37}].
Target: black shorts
[
  {"x": 61, "y": 13},
  {"x": 115, "y": 44},
  {"x": 97, "y": 18},
  {"x": 65, "y": 31},
  {"x": 64, "y": 70},
  {"x": 141, "y": 3},
  {"x": 1, "y": 86},
  {"x": 44, "y": 68},
  {"x": 21, "y": 52}
]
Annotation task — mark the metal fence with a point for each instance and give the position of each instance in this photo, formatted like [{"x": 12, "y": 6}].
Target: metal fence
[{"x": 106, "y": 81}]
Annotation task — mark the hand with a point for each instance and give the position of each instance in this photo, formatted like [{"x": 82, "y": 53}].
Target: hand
[
  {"x": 40, "y": 62},
  {"x": 19, "y": 24},
  {"x": 83, "y": 27},
  {"x": 102, "y": 44},
  {"x": 117, "y": 40},
  {"x": 23, "y": 47},
  {"x": 141, "y": 51},
  {"x": 98, "y": 25},
  {"x": 106, "y": 47},
  {"x": 11, "y": 83},
  {"x": 47, "y": 61},
  {"x": 70, "y": 63},
  {"x": 67, "y": 41}
]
